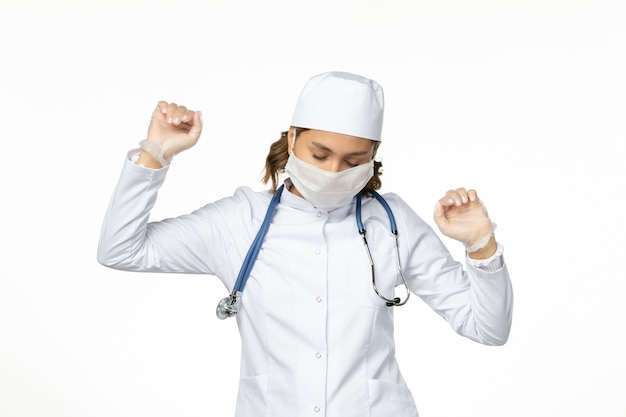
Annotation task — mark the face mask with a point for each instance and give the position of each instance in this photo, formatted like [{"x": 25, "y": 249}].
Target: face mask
[{"x": 325, "y": 189}]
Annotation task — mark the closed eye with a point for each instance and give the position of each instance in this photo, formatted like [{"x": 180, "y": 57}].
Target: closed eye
[{"x": 323, "y": 158}]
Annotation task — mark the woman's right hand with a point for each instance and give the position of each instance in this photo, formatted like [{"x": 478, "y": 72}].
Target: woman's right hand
[{"x": 175, "y": 128}]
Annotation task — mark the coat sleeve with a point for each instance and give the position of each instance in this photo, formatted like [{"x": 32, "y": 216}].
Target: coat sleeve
[
  {"x": 200, "y": 242},
  {"x": 477, "y": 303}
]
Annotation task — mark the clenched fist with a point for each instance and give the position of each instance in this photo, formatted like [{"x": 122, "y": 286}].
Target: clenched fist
[
  {"x": 460, "y": 215},
  {"x": 172, "y": 129}
]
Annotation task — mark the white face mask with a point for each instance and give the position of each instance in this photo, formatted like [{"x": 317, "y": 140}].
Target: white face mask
[{"x": 325, "y": 189}]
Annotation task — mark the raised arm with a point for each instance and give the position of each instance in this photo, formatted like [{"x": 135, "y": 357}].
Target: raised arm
[{"x": 127, "y": 240}]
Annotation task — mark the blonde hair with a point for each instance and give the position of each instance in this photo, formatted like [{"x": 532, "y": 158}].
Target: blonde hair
[{"x": 279, "y": 154}]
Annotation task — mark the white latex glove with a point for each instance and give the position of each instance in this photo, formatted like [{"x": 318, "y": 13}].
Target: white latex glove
[
  {"x": 172, "y": 129},
  {"x": 461, "y": 215}
]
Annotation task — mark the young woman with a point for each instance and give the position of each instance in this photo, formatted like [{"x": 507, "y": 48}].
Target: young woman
[{"x": 314, "y": 298}]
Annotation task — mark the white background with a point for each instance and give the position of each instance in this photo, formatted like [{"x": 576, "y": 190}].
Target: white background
[{"x": 523, "y": 100}]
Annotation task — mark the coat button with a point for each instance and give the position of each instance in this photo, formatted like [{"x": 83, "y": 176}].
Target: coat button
[
  {"x": 318, "y": 355},
  {"x": 318, "y": 299},
  {"x": 316, "y": 409},
  {"x": 319, "y": 214}
]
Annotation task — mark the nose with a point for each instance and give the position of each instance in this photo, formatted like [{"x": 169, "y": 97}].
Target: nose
[{"x": 335, "y": 166}]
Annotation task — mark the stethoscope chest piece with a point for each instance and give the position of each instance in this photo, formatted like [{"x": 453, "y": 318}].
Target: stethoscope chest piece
[{"x": 227, "y": 307}]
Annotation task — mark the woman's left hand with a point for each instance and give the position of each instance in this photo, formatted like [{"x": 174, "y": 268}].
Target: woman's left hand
[{"x": 460, "y": 215}]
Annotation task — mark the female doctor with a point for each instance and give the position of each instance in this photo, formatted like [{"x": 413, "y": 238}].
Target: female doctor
[{"x": 314, "y": 301}]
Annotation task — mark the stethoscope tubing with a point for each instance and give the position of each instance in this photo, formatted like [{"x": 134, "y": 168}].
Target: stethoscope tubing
[
  {"x": 255, "y": 248},
  {"x": 227, "y": 307},
  {"x": 383, "y": 202},
  {"x": 396, "y": 301}
]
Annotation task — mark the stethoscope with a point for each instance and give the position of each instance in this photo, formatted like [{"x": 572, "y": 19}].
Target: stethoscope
[{"x": 227, "y": 307}]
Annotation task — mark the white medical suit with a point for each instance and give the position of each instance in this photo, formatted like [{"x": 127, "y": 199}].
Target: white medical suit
[{"x": 316, "y": 339}]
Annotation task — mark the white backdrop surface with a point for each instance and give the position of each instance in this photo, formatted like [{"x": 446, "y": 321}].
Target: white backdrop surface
[{"x": 524, "y": 101}]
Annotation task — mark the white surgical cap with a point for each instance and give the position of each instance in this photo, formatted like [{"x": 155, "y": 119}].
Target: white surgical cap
[{"x": 341, "y": 102}]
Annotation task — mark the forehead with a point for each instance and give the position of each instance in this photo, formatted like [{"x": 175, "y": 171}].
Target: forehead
[{"x": 335, "y": 141}]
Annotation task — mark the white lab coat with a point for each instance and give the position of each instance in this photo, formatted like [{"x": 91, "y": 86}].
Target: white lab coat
[{"x": 316, "y": 339}]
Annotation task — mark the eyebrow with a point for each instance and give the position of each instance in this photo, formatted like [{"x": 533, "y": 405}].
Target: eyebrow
[{"x": 325, "y": 148}]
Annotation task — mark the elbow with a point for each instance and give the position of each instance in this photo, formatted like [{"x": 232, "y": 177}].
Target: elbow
[
  {"x": 120, "y": 258},
  {"x": 497, "y": 336},
  {"x": 105, "y": 253},
  {"x": 114, "y": 253},
  {"x": 109, "y": 258},
  {"x": 500, "y": 341},
  {"x": 494, "y": 332},
  {"x": 491, "y": 339},
  {"x": 105, "y": 259}
]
